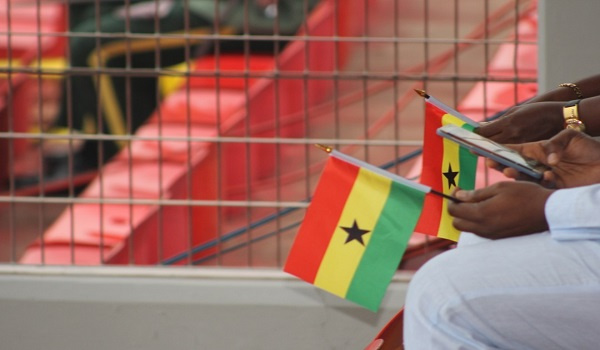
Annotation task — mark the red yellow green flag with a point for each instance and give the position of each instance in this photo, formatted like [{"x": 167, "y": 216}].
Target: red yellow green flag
[
  {"x": 356, "y": 230},
  {"x": 446, "y": 166}
]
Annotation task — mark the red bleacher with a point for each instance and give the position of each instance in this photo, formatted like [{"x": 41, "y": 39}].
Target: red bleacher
[
  {"x": 238, "y": 103},
  {"x": 29, "y": 32},
  {"x": 27, "y": 28},
  {"x": 488, "y": 98},
  {"x": 229, "y": 106}
]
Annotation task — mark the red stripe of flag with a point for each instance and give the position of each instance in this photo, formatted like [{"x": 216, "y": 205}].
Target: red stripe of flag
[
  {"x": 329, "y": 200},
  {"x": 433, "y": 156}
]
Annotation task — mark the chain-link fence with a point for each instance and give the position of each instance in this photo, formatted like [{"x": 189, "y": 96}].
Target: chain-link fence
[{"x": 181, "y": 132}]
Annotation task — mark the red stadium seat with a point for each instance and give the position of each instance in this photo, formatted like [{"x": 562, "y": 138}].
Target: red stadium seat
[
  {"x": 32, "y": 31},
  {"x": 239, "y": 103}
]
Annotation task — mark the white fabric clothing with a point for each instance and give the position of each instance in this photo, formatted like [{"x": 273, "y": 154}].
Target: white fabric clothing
[
  {"x": 574, "y": 213},
  {"x": 539, "y": 291}
]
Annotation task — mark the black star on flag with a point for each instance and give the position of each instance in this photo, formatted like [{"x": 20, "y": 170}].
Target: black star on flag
[
  {"x": 451, "y": 176},
  {"x": 355, "y": 233}
]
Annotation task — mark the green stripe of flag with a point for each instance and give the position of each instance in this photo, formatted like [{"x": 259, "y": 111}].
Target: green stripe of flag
[
  {"x": 468, "y": 165},
  {"x": 386, "y": 246}
]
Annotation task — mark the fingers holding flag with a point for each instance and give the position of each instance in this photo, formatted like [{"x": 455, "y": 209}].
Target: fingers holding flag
[{"x": 478, "y": 210}]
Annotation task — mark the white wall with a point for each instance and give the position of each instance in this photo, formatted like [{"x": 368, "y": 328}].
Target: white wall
[
  {"x": 165, "y": 308},
  {"x": 569, "y": 41}
]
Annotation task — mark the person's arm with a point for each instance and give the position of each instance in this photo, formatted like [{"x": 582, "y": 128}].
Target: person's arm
[
  {"x": 542, "y": 117},
  {"x": 589, "y": 113},
  {"x": 585, "y": 88},
  {"x": 572, "y": 214}
]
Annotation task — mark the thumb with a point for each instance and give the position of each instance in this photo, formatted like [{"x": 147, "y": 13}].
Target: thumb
[
  {"x": 475, "y": 195},
  {"x": 557, "y": 145}
]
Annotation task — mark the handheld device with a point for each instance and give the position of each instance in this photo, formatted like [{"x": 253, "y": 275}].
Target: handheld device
[{"x": 493, "y": 150}]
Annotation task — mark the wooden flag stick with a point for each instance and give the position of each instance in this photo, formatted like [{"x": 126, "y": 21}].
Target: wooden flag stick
[
  {"x": 454, "y": 199},
  {"x": 324, "y": 148},
  {"x": 421, "y": 93}
]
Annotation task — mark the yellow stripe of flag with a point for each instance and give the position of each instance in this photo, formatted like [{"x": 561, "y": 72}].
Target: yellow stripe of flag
[
  {"x": 451, "y": 156},
  {"x": 341, "y": 260}
]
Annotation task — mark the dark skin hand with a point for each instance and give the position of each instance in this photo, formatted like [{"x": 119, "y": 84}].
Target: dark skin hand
[
  {"x": 526, "y": 123},
  {"x": 509, "y": 209},
  {"x": 574, "y": 159},
  {"x": 502, "y": 210},
  {"x": 535, "y": 121},
  {"x": 541, "y": 117}
]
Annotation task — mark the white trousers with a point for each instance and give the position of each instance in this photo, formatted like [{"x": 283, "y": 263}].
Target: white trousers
[{"x": 529, "y": 292}]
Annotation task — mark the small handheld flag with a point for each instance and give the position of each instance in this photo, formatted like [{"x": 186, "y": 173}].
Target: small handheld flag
[
  {"x": 446, "y": 166},
  {"x": 356, "y": 230}
]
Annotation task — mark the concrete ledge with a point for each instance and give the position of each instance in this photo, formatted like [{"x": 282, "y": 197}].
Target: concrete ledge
[{"x": 180, "y": 308}]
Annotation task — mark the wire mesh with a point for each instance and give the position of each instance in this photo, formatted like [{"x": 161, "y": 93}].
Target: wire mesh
[{"x": 180, "y": 132}]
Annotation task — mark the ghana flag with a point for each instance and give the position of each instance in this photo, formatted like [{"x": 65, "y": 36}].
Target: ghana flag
[
  {"x": 356, "y": 230},
  {"x": 446, "y": 166}
]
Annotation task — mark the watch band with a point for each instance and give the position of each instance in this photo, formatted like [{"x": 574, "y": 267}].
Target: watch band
[{"x": 571, "y": 116}]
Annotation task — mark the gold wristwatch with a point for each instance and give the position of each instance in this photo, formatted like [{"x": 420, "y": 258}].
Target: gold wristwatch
[{"x": 571, "y": 115}]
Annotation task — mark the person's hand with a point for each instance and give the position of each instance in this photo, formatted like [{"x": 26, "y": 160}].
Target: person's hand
[
  {"x": 504, "y": 209},
  {"x": 526, "y": 123},
  {"x": 574, "y": 159}
]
